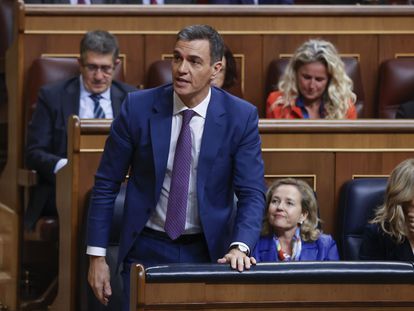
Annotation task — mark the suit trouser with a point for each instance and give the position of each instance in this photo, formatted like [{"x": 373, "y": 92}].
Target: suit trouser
[{"x": 154, "y": 248}]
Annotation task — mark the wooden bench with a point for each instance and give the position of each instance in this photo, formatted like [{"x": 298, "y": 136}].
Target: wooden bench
[
  {"x": 9, "y": 252},
  {"x": 274, "y": 286}
]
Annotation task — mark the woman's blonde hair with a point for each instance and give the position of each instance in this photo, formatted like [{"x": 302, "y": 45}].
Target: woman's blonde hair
[
  {"x": 400, "y": 191},
  {"x": 309, "y": 229},
  {"x": 338, "y": 95}
]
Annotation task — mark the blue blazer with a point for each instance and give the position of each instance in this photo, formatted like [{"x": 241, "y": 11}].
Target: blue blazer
[
  {"x": 230, "y": 162},
  {"x": 324, "y": 248}
]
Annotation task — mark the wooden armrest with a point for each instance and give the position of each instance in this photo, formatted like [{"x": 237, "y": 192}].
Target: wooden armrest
[{"x": 27, "y": 178}]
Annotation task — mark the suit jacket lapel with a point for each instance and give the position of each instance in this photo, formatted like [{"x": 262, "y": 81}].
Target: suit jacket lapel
[
  {"x": 70, "y": 100},
  {"x": 160, "y": 127},
  {"x": 213, "y": 129}
]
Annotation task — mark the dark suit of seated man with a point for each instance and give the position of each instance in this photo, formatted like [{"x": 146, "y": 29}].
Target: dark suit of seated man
[
  {"x": 405, "y": 111},
  {"x": 47, "y": 133}
]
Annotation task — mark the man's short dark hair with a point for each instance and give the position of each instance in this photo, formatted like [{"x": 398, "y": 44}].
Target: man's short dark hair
[
  {"x": 100, "y": 42},
  {"x": 204, "y": 32}
]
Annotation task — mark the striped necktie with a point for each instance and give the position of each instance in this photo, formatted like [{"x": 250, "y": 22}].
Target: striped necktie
[{"x": 98, "y": 112}]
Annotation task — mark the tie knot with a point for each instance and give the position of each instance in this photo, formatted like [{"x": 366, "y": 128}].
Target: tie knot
[
  {"x": 187, "y": 115},
  {"x": 95, "y": 97}
]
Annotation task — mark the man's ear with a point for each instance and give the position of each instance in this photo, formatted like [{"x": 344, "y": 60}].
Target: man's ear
[
  {"x": 117, "y": 61},
  {"x": 216, "y": 68}
]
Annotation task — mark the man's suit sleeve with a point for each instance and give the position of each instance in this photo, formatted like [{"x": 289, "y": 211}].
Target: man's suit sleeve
[
  {"x": 111, "y": 172},
  {"x": 40, "y": 154},
  {"x": 249, "y": 184}
]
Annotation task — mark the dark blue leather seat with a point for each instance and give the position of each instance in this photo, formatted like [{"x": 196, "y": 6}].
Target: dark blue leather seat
[
  {"x": 366, "y": 272},
  {"x": 357, "y": 203}
]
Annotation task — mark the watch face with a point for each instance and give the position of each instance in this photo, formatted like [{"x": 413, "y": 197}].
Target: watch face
[{"x": 242, "y": 248}]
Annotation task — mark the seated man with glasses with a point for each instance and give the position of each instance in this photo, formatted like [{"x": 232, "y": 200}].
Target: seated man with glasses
[{"x": 92, "y": 94}]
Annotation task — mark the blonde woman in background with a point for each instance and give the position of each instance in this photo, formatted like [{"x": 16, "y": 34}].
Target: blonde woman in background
[
  {"x": 314, "y": 86},
  {"x": 390, "y": 235}
]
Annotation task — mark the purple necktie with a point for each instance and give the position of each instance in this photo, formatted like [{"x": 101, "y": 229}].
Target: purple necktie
[
  {"x": 178, "y": 196},
  {"x": 98, "y": 112}
]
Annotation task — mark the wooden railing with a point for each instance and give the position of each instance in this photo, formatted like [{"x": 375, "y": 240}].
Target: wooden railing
[{"x": 284, "y": 286}]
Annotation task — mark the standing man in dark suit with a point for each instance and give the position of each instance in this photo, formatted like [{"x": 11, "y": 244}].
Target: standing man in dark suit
[
  {"x": 47, "y": 133},
  {"x": 173, "y": 216}
]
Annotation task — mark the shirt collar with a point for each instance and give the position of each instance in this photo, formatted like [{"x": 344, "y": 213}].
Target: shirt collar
[
  {"x": 84, "y": 93},
  {"x": 200, "y": 109},
  {"x": 299, "y": 103}
]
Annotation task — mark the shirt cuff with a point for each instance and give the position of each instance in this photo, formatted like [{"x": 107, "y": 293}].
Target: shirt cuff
[
  {"x": 240, "y": 243},
  {"x": 96, "y": 251},
  {"x": 61, "y": 163}
]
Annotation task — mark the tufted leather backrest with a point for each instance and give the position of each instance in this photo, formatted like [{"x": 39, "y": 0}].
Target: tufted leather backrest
[
  {"x": 277, "y": 67},
  {"x": 46, "y": 70},
  {"x": 159, "y": 73},
  {"x": 395, "y": 85},
  {"x": 357, "y": 203}
]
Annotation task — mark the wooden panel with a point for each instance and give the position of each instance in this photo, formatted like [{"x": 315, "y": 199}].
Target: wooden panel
[
  {"x": 9, "y": 237},
  {"x": 295, "y": 294},
  {"x": 73, "y": 185}
]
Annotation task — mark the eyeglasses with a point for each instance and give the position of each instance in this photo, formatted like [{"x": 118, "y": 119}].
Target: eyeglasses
[{"x": 92, "y": 68}]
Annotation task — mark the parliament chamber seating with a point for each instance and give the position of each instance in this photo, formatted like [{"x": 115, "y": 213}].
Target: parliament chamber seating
[
  {"x": 357, "y": 203},
  {"x": 395, "y": 85},
  {"x": 40, "y": 247},
  {"x": 329, "y": 285},
  {"x": 277, "y": 67}
]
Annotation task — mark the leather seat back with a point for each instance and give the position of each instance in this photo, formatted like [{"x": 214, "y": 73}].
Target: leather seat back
[
  {"x": 395, "y": 85},
  {"x": 357, "y": 203}
]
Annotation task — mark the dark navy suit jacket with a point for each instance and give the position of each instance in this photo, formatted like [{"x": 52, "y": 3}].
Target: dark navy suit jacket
[
  {"x": 230, "y": 162},
  {"x": 324, "y": 248},
  {"x": 377, "y": 245},
  {"x": 47, "y": 137}
]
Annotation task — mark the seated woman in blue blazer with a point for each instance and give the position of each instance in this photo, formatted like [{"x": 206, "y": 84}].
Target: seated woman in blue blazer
[{"x": 290, "y": 226}]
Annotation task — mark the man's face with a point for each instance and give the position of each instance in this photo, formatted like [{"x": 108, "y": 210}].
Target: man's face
[
  {"x": 97, "y": 71},
  {"x": 192, "y": 70}
]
